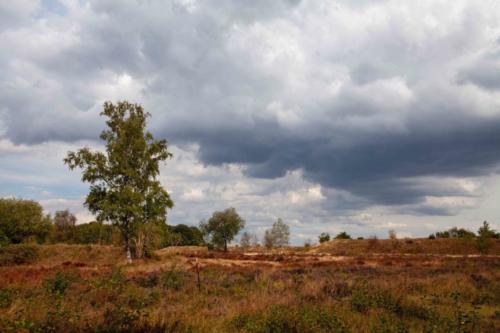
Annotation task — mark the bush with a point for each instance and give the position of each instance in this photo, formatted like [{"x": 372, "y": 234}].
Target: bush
[
  {"x": 58, "y": 284},
  {"x": 172, "y": 278},
  {"x": 18, "y": 254},
  {"x": 343, "y": 235},
  {"x": 324, "y": 237},
  {"x": 22, "y": 219},
  {"x": 5, "y": 298},
  {"x": 360, "y": 299},
  {"x": 4, "y": 240},
  {"x": 336, "y": 289},
  {"x": 120, "y": 319},
  {"x": 149, "y": 280}
]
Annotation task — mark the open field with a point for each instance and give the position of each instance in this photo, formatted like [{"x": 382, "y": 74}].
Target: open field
[{"x": 342, "y": 286}]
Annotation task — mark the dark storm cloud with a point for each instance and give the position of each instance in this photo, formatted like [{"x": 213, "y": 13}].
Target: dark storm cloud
[
  {"x": 377, "y": 169},
  {"x": 360, "y": 102}
]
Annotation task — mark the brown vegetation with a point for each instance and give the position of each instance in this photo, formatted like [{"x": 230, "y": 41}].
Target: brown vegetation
[{"x": 91, "y": 288}]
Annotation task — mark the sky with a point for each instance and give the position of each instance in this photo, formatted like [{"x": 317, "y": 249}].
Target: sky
[{"x": 358, "y": 116}]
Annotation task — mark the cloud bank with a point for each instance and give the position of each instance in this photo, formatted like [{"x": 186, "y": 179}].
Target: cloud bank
[{"x": 371, "y": 103}]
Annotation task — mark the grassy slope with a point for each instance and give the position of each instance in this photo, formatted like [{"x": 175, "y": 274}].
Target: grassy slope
[{"x": 409, "y": 246}]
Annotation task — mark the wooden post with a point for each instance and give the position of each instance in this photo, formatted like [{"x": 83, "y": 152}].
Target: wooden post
[{"x": 198, "y": 275}]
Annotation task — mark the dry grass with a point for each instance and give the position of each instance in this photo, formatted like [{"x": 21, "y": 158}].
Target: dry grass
[
  {"x": 451, "y": 246},
  {"x": 80, "y": 288}
]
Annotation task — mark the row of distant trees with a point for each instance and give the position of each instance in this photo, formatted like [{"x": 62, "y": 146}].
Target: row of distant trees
[{"x": 24, "y": 221}]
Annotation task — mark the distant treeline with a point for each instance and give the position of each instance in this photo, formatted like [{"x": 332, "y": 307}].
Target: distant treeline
[{"x": 23, "y": 221}]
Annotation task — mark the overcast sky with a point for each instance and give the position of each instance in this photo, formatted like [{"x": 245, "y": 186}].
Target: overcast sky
[{"x": 361, "y": 116}]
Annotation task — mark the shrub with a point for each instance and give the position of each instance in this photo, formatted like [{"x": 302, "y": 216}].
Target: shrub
[
  {"x": 483, "y": 244},
  {"x": 4, "y": 240},
  {"x": 119, "y": 319},
  {"x": 360, "y": 299},
  {"x": 285, "y": 319},
  {"x": 18, "y": 254},
  {"x": 324, "y": 237},
  {"x": 5, "y": 298},
  {"x": 58, "y": 284},
  {"x": 21, "y": 219},
  {"x": 387, "y": 300},
  {"x": 172, "y": 278},
  {"x": 149, "y": 280},
  {"x": 336, "y": 289},
  {"x": 343, "y": 235},
  {"x": 484, "y": 241}
]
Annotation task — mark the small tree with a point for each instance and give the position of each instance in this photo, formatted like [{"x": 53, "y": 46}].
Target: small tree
[
  {"x": 124, "y": 188},
  {"x": 268, "y": 239},
  {"x": 245, "y": 240},
  {"x": 324, "y": 237},
  {"x": 221, "y": 228},
  {"x": 485, "y": 234},
  {"x": 187, "y": 235},
  {"x": 64, "y": 223},
  {"x": 392, "y": 234},
  {"x": 255, "y": 241},
  {"x": 343, "y": 235},
  {"x": 278, "y": 235},
  {"x": 486, "y": 231}
]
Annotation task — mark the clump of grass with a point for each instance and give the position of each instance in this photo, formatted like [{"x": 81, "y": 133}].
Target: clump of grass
[
  {"x": 287, "y": 319},
  {"x": 58, "y": 284},
  {"x": 6, "y": 296},
  {"x": 148, "y": 280},
  {"x": 172, "y": 278}
]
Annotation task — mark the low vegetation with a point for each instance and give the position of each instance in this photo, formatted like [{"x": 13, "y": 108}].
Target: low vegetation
[{"x": 72, "y": 288}]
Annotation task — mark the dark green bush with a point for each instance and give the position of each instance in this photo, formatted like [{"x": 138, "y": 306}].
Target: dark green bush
[
  {"x": 18, "y": 254},
  {"x": 5, "y": 298},
  {"x": 360, "y": 299},
  {"x": 58, "y": 284}
]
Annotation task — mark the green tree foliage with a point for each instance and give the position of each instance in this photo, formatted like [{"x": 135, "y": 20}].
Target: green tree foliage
[
  {"x": 453, "y": 233},
  {"x": 123, "y": 181},
  {"x": 96, "y": 233},
  {"x": 343, "y": 235},
  {"x": 189, "y": 235},
  {"x": 64, "y": 226},
  {"x": 484, "y": 239},
  {"x": 221, "y": 228},
  {"x": 324, "y": 237},
  {"x": 486, "y": 231},
  {"x": 21, "y": 220},
  {"x": 278, "y": 235}
]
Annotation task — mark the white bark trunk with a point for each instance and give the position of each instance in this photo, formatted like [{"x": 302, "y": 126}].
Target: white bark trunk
[{"x": 129, "y": 255}]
